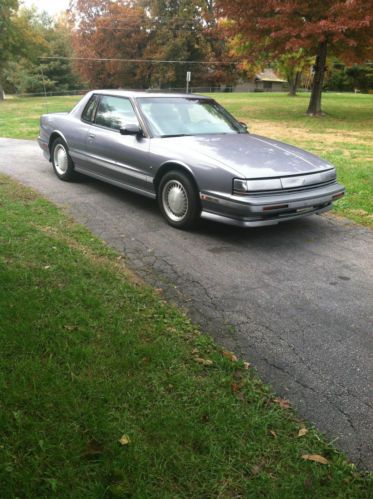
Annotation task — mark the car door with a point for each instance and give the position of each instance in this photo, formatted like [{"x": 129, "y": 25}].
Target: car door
[
  {"x": 122, "y": 159},
  {"x": 77, "y": 135}
]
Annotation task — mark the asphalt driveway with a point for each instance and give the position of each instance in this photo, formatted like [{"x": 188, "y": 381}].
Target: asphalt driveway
[{"x": 295, "y": 300}]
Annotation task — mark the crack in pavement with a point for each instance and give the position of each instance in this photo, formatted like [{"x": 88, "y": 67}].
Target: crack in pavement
[
  {"x": 201, "y": 294},
  {"x": 295, "y": 300}
]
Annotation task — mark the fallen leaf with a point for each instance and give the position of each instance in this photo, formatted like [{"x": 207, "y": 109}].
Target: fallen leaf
[
  {"x": 70, "y": 327},
  {"x": 302, "y": 432},
  {"x": 47, "y": 267},
  {"x": 235, "y": 387},
  {"x": 246, "y": 365},
  {"x": 124, "y": 440},
  {"x": 316, "y": 458},
  {"x": 195, "y": 351},
  {"x": 159, "y": 290},
  {"x": 229, "y": 355},
  {"x": 256, "y": 469},
  {"x": 283, "y": 403},
  {"x": 273, "y": 433},
  {"x": 205, "y": 362}
]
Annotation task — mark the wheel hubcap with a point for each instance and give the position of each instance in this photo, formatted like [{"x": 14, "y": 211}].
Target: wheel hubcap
[
  {"x": 175, "y": 200},
  {"x": 60, "y": 159}
]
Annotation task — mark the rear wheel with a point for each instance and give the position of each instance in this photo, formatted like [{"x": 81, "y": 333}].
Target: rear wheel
[
  {"x": 62, "y": 163},
  {"x": 178, "y": 200}
]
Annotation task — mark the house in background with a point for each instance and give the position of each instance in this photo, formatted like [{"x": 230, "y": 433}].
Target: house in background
[{"x": 266, "y": 81}]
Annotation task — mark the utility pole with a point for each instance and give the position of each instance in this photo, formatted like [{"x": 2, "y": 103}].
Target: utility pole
[{"x": 188, "y": 78}]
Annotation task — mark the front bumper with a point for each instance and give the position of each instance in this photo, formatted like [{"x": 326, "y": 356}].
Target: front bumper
[{"x": 269, "y": 209}]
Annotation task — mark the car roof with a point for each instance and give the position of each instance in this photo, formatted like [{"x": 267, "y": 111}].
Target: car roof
[{"x": 142, "y": 93}]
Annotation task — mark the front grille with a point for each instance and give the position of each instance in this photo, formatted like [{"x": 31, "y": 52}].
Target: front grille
[
  {"x": 289, "y": 190},
  {"x": 294, "y": 212}
]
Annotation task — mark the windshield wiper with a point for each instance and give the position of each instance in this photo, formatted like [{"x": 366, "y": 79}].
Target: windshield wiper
[{"x": 176, "y": 135}]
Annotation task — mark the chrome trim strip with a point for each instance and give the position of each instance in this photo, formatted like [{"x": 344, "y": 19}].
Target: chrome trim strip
[
  {"x": 283, "y": 183},
  {"x": 289, "y": 191},
  {"x": 116, "y": 182},
  {"x": 114, "y": 165},
  {"x": 306, "y": 180}
]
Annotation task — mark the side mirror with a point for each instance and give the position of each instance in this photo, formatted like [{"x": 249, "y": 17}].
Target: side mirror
[{"x": 131, "y": 129}]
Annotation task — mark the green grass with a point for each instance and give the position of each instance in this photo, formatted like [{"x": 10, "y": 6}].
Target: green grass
[
  {"x": 19, "y": 117},
  {"x": 88, "y": 354},
  {"x": 344, "y": 135}
]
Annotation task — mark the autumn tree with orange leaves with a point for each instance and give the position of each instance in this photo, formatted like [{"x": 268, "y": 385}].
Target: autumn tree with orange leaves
[
  {"x": 103, "y": 29},
  {"x": 145, "y": 31},
  {"x": 320, "y": 27}
]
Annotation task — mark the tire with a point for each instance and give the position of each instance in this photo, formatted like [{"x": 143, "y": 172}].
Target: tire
[
  {"x": 62, "y": 163},
  {"x": 178, "y": 200}
]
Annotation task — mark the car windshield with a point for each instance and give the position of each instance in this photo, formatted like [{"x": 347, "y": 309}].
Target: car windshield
[{"x": 178, "y": 116}]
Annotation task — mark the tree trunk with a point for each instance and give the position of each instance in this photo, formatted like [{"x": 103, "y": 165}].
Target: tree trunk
[
  {"x": 314, "y": 108},
  {"x": 294, "y": 83},
  {"x": 2, "y": 95}
]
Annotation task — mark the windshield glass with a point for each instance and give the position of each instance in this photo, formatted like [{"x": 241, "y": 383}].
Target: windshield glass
[{"x": 177, "y": 116}]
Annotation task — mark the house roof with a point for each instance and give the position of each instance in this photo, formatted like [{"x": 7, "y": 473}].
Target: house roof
[{"x": 269, "y": 75}]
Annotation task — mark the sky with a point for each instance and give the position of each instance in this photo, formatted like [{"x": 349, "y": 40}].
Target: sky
[{"x": 53, "y": 7}]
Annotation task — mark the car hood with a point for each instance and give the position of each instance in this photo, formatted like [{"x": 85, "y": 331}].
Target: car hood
[{"x": 249, "y": 155}]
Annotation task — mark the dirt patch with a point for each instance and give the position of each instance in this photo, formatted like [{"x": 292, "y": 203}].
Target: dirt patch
[{"x": 327, "y": 138}]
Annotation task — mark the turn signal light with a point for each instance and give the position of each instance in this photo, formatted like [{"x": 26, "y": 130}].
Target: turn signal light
[{"x": 275, "y": 207}]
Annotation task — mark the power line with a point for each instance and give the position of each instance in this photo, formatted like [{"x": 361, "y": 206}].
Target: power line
[
  {"x": 150, "y": 28},
  {"x": 148, "y": 61}
]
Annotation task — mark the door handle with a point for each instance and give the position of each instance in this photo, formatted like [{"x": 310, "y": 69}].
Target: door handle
[{"x": 91, "y": 135}]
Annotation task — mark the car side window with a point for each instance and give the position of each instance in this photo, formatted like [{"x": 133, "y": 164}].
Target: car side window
[
  {"x": 115, "y": 112},
  {"x": 90, "y": 109}
]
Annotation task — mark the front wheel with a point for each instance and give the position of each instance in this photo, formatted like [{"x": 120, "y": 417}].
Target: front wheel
[
  {"x": 178, "y": 200},
  {"x": 62, "y": 163}
]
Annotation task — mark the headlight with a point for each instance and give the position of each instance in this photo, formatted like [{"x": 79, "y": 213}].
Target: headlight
[
  {"x": 246, "y": 186},
  {"x": 239, "y": 186}
]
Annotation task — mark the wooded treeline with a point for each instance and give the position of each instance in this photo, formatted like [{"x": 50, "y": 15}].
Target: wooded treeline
[{"x": 227, "y": 40}]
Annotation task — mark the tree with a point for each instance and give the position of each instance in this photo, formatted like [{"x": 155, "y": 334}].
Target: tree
[
  {"x": 349, "y": 78},
  {"x": 35, "y": 36},
  {"x": 60, "y": 71},
  {"x": 341, "y": 27},
  {"x": 108, "y": 30},
  {"x": 184, "y": 30},
  {"x": 291, "y": 66},
  {"x": 361, "y": 76},
  {"x": 147, "y": 30},
  {"x": 8, "y": 9}
]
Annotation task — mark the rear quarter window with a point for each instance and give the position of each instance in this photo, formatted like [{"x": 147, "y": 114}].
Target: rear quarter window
[{"x": 90, "y": 109}]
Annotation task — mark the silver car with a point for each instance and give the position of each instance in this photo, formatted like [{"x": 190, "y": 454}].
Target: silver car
[{"x": 191, "y": 155}]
